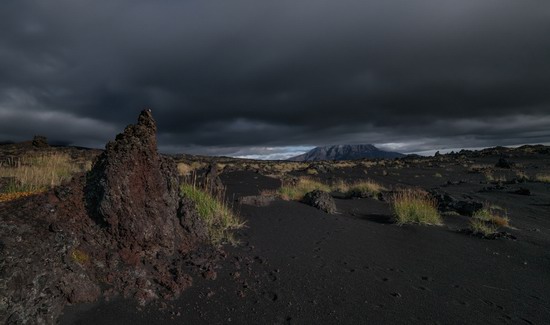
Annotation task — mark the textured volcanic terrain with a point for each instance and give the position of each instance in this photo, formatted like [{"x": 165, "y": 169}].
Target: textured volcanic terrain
[
  {"x": 119, "y": 230},
  {"x": 299, "y": 265}
]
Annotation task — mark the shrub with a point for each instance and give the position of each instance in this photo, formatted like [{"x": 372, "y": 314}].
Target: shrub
[
  {"x": 302, "y": 186},
  {"x": 216, "y": 214},
  {"x": 415, "y": 206}
]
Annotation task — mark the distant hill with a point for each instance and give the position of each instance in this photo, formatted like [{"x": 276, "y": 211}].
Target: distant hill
[{"x": 345, "y": 152}]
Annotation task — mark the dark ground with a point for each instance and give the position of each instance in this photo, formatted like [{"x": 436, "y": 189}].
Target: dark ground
[{"x": 298, "y": 265}]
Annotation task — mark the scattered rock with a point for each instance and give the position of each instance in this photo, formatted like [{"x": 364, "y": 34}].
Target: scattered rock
[
  {"x": 213, "y": 183},
  {"x": 40, "y": 142},
  {"x": 257, "y": 200},
  {"x": 503, "y": 163},
  {"x": 320, "y": 200},
  {"x": 447, "y": 203},
  {"x": 522, "y": 191}
]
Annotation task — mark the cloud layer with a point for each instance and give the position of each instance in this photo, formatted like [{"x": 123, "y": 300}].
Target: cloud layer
[{"x": 240, "y": 77}]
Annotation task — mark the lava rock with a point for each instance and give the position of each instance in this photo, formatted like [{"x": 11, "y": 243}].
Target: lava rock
[
  {"x": 503, "y": 163},
  {"x": 447, "y": 202},
  {"x": 522, "y": 191},
  {"x": 132, "y": 191},
  {"x": 320, "y": 200},
  {"x": 213, "y": 183},
  {"x": 40, "y": 142}
]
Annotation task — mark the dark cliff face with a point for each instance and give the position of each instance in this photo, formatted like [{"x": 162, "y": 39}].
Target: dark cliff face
[{"x": 345, "y": 152}]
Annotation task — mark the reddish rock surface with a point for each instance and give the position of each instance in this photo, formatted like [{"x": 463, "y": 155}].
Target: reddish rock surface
[
  {"x": 117, "y": 230},
  {"x": 133, "y": 192}
]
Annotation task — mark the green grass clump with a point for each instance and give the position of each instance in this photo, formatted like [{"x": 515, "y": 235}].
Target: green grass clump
[
  {"x": 487, "y": 220},
  {"x": 216, "y": 214},
  {"x": 415, "y": 206},
  {"x": 482, "y": 227},
  {"x": 301, "y": 188},
  {"x": 490, "y": 215}
]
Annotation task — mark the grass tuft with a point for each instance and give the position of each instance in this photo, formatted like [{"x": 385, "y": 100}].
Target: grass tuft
[
  {"x": 489, "y": 215},
  {"x": 363, "y": 189},
  {"x": 544, "y": 178},
  {"x": 301, "y": 188},
  {"x": 482, "y": 227},
  {"x": 37, "y": 173},
  {"x": 415, "y": 206},
  {"x": 216, "y": 214}
]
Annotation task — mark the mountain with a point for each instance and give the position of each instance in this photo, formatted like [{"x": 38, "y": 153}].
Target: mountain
[{"x": 345, "y": 152}]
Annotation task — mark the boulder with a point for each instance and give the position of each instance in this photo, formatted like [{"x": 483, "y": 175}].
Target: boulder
[
  {"x": 503, "y": 163},
  {"x": 320, "y": 200},
  {"x": 447, "y": 202}
]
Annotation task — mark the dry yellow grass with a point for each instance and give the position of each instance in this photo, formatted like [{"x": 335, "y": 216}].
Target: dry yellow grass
[
  {"x": 302, "y": 187},
  {"x": 544, "y": 178},
  {"x": 365, "y": 188},
  {"x": 36, "y": 173},
  {"x": 415, "y": 206},
  {"x": 491, "y": 216},
  {"x": 4, "y": 197}
]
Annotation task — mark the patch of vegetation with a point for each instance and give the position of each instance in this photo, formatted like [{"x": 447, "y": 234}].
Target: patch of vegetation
[
  {"x": 481, "y": 227},
  {"x": 544, "y": 178},
  {"x": 220, "y": 220},
  {"x": 80, "y": 256},
  {"x": 4, "y": 197},
  {"x": 186, "y": 169},
  {"x": 311, "y": 171},
  {"x": 415, "y": 206},
  {"x": 366, "y": 188},
  {"x": 38, "y": 173},
  {"x": 522, "y": 176},
  {"x": 491, "y": 178},
  {"x": 488, "y": 220},
  {"x": 490, "y": 215},
  {"x": 303, "y": 185},
  {"x": 438, "y": 175}
]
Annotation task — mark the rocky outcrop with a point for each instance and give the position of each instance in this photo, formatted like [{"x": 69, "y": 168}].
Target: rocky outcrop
[
  {"x": 120, "y": 230},
  {"x": 320, "y": 200},
  {"x": 133, "y": 192}
]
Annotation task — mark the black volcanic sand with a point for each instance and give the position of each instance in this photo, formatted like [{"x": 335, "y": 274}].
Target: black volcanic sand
[{"x": 298, "y": 265}]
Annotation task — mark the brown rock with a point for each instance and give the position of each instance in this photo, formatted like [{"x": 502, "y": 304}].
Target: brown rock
[{"x": 133, "y": 191}]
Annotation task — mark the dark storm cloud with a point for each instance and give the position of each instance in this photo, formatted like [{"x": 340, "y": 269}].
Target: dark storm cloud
[{"x": 242, "y": 77}]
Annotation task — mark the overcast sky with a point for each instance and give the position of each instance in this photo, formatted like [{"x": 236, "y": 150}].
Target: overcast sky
[{"x": 262, "y": 78}]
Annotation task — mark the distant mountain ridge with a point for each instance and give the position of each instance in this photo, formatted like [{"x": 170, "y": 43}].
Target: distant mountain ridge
[{"x": 345, "y": 152}]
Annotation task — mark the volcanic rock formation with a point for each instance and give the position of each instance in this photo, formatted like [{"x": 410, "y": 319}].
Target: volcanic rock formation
[
  {"x": 121, "y": 229},
  {"x": 133, "y": 191}
]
